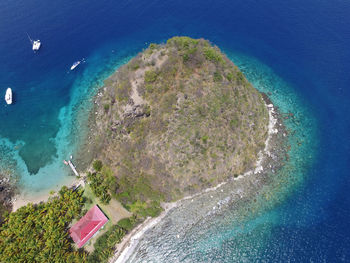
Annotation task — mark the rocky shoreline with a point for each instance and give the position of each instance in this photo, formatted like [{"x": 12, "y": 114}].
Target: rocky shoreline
[
  {"x": 245, "y": 187},
  {"x": 242, "y": 187},
  {"x": 8, "y": 192}
]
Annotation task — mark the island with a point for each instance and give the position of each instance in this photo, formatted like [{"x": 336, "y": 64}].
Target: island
[
  {"x": 175, "y": 120},
  {"x": 178, "y": 118}
]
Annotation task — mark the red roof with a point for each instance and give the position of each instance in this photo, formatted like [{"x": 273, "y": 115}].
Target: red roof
[{"x": 87, "y": 226}]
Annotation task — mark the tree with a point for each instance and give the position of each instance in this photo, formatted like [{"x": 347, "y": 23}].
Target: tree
[
  {"x": 97, "y": 164},
  {"x": 39, "y": 233}
]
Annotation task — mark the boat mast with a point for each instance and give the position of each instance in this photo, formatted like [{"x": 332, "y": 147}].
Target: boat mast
[{"x": 31, "y": 41}]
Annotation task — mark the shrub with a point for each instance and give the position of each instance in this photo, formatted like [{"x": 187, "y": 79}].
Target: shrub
[
  {"x": 97, "y": 165},
  {"x": 153, "y": 46},
  {"x": 185, "y": 57},
  {"x": 150, "y": 76},
  {"x": 135, "y": 66},
  {"x": 122, "y": 91},
  {"x": 183, "y": 42},
  {"x": 103, "y": 184},
  {"x": 127, "y": 223},
  {"x": 205, "y": 139},
  {"x": 229, "y": 76},
  {"x": 217, "y": 77},
  {"x": 144, "y": 209},
  {"x": 240, "y": 77},
  {"x": 234, "y": 123},
  {"x": 147, "y": 110},
  {"x": 149, "y": 88},
  {"x": 105, "y": 198},
  {"x": 105, "y": 244},
  {"x": 154, "y": 209},
  {"x": 188, "y": 54},
  {"x": 212, "y": 55},
  {"x": 106, "y": 107}
]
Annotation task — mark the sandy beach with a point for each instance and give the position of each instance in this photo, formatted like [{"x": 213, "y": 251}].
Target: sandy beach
[{"x": 24, "y": 198}]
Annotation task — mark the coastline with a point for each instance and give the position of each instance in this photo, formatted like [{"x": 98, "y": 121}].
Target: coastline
[
  {"x": 126, "y": 248},
  {"x": 129, "y": 243},
  {"x": 23, "y": 198}
]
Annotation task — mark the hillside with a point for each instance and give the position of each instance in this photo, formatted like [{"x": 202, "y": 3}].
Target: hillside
[{"x": 179, "y": 117}]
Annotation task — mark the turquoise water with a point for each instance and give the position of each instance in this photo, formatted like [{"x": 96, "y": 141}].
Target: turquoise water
[
  {"x": 299, "y": 51},
  {"x": 71, "y": 129}
]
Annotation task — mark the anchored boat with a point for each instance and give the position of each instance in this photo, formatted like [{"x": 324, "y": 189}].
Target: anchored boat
[
  {"x": 8, "y": 96},
  {"x": 71, "y": 165},
  {"x": 36, "y": 44},
  {"x": 75, "y": 64}
]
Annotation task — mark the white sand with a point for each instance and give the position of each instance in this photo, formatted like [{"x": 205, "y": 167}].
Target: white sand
[{"x": 24, "y": 198}]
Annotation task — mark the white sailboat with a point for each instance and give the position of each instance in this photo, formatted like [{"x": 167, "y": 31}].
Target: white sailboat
[
  {"x": 75, "y": 64},
  {"x": 8, "y": 96},
  {"x": 36, "y": 44}
]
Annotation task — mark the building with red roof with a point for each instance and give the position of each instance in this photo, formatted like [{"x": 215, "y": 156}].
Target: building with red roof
[{"x": 87, "y": 226}]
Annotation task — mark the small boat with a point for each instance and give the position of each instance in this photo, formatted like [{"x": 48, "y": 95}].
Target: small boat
[
  {"x": 36, "y": 44},
  {"x": 8, "y": 96},
  {"x": 75, "y": 64}
]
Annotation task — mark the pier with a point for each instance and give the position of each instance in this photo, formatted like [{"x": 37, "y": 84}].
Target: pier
[{"x": 71, "y": 165}]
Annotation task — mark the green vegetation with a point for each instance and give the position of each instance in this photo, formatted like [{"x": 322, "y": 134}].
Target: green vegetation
[
  {"x": 217, "y": 76},
  {"x": 102, "y": 183},
  {"x": 182, "y": 42},
  {"x": 135, "y": 67},
  {"x": 213, "y": 55},
  {"x": 168, "y": 119},
  {"x": 153, "y": 46},
  {"x": 240, "y": 77},
  {"x": 139, "y": 197},
  {"x": 230, "y": 76},
  {"x": 127, "y": 223},
  {"x": 4, "y": 212},
  {"x": 97, "y": 165},
  {"x": 106, "y": 107},
  {"x": 122, "y": 91},
  {"x": 150, "y": 76},
  {"x": 105, "y": 245},
  {"x": 205, "y": 139},
  {"x": 189, "y": 121},
  {"x": 39, "y": 233}
]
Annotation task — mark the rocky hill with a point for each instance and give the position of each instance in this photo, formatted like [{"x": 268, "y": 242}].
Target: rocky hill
[{"x": 179, "y": 117}]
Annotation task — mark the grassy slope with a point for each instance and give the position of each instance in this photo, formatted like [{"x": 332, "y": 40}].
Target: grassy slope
[{"x": 178, "y": 118}]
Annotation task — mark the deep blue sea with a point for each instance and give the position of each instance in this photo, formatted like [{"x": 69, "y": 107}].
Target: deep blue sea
[{"x": 299, "y": 51}]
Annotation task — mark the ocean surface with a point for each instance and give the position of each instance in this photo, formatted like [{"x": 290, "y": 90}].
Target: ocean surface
[{"x": 298, "y": 51}]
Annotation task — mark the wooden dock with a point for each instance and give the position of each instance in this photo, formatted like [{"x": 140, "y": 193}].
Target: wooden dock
[{"x": 71, "y": 165}]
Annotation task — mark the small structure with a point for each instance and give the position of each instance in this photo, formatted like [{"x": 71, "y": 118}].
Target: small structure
[
  {"x": 71, "y": 165},
  {"x": 87, "y": 226}
]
